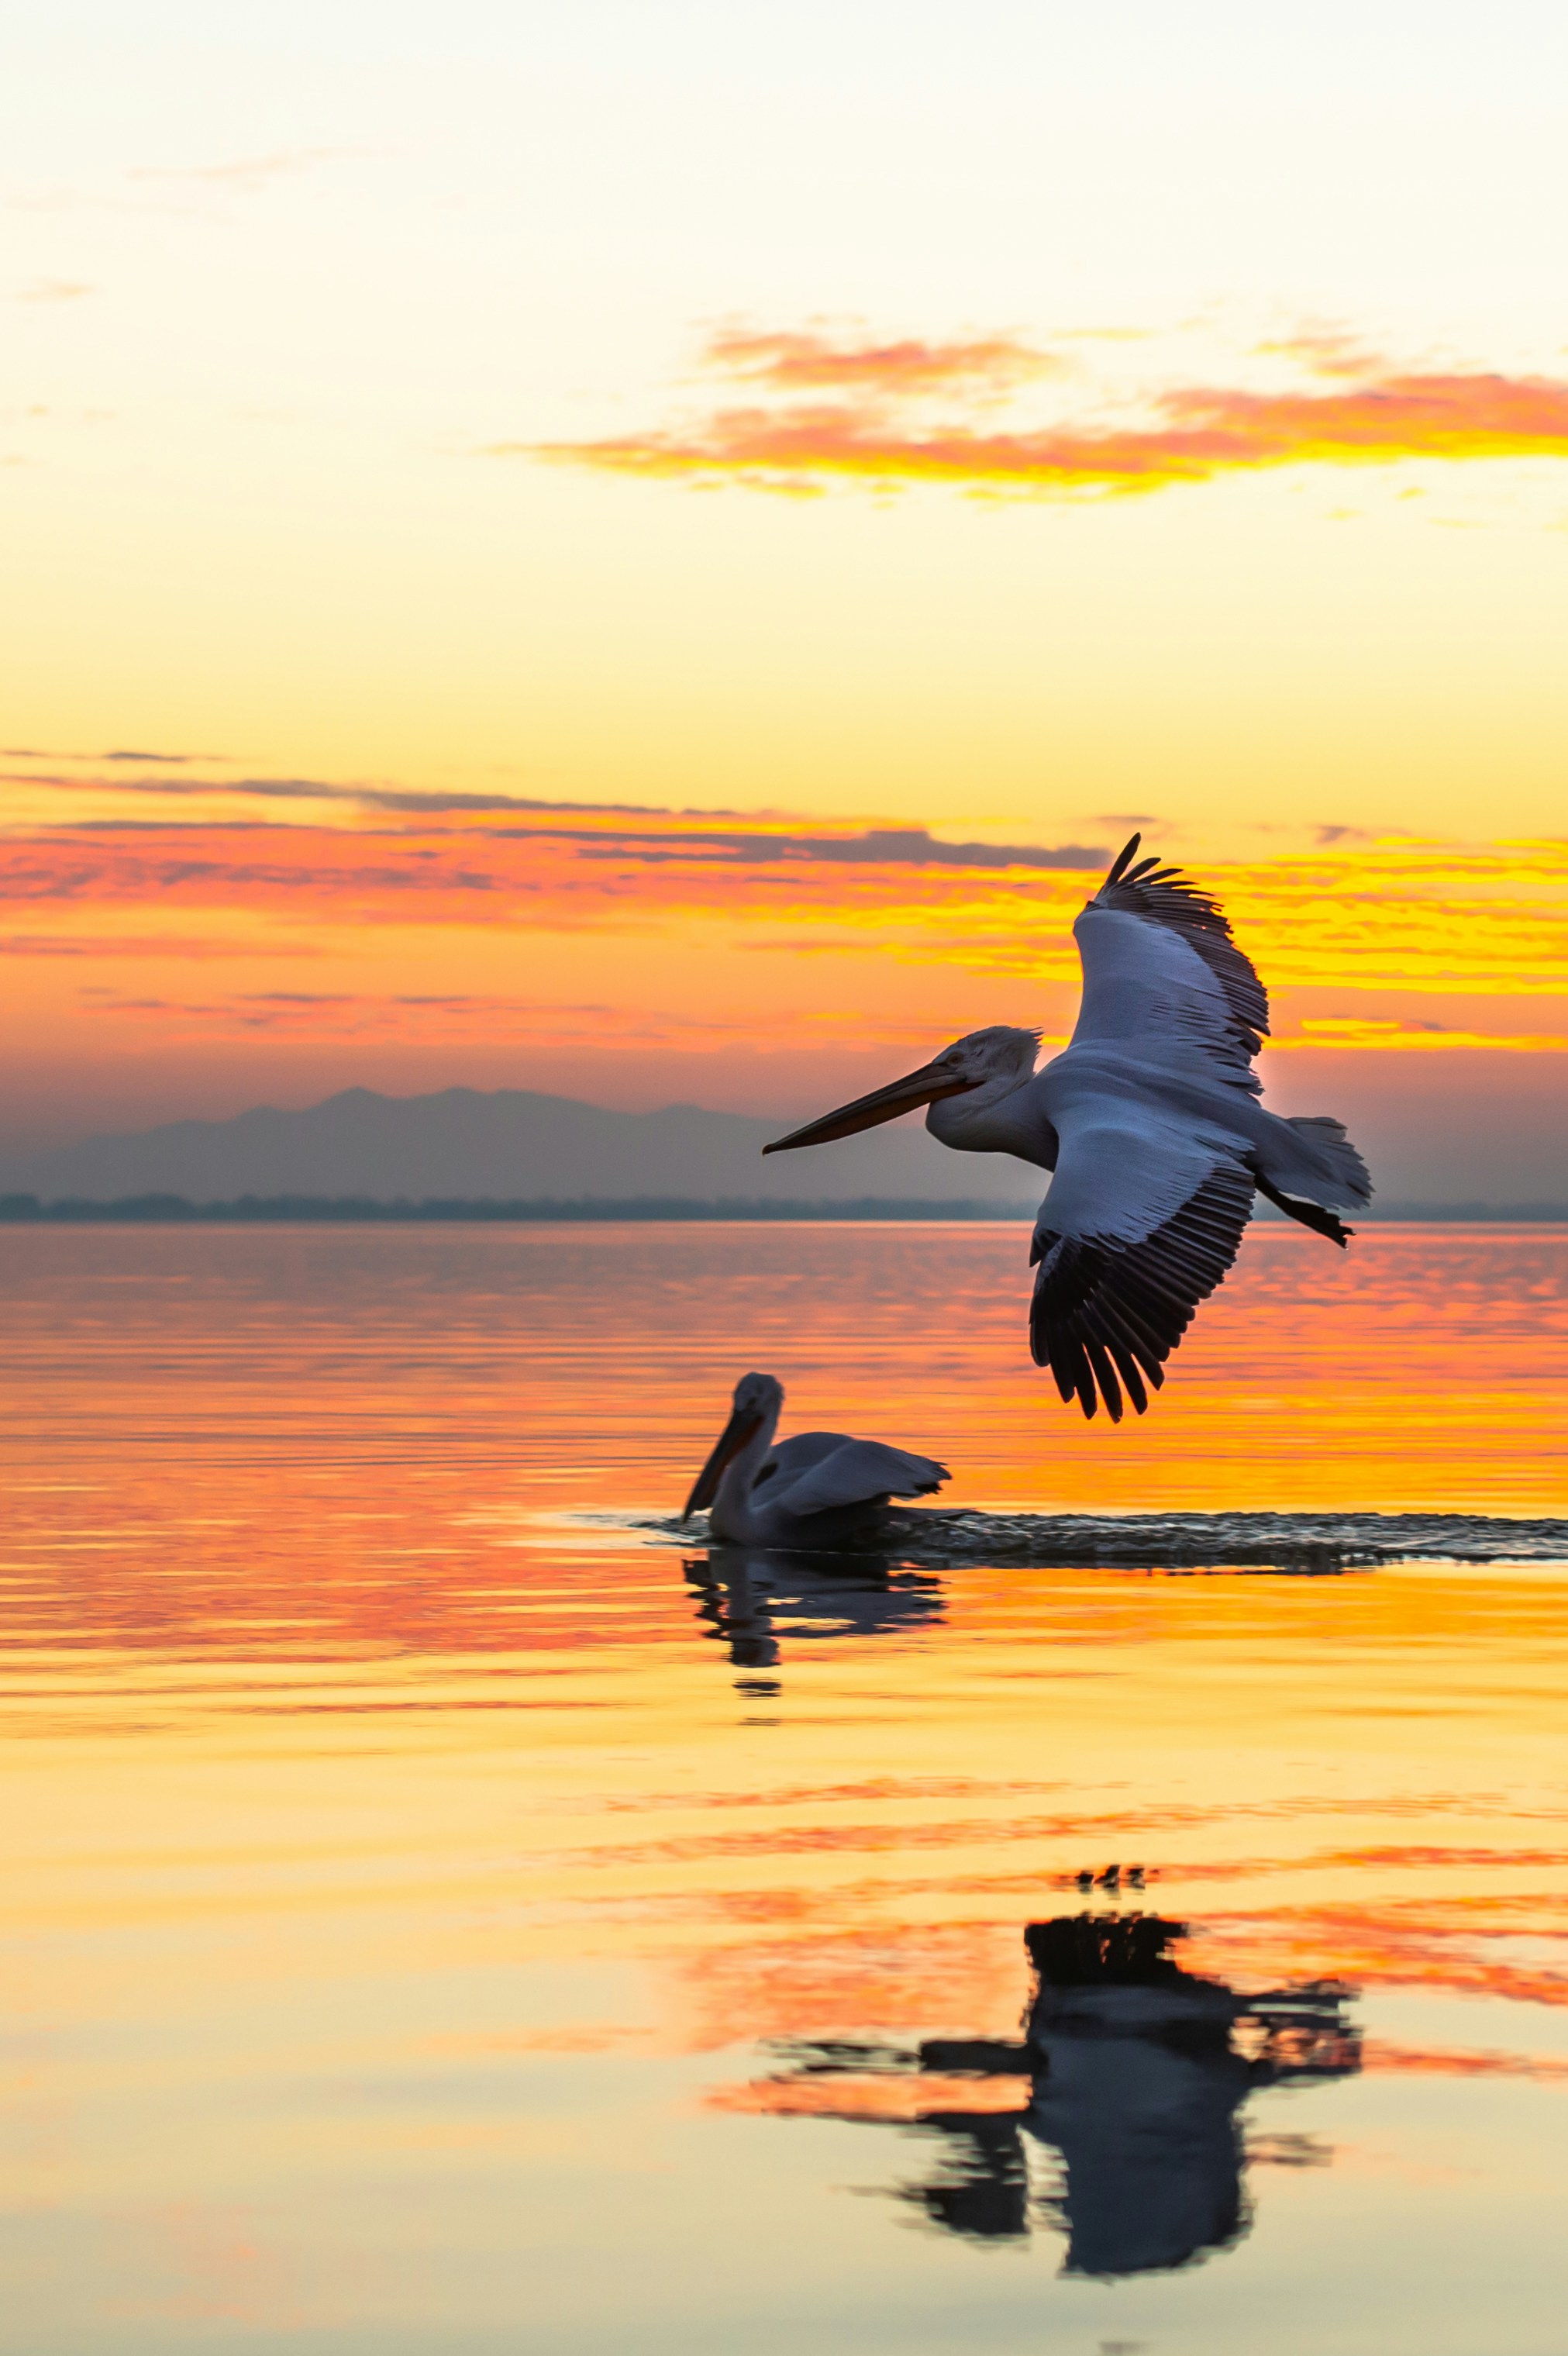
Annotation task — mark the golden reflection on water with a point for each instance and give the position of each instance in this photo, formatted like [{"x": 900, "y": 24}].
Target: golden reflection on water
[{"x": 403, "y": 1865}]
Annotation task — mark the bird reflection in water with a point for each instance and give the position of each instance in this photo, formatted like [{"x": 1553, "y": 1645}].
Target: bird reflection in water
[
  {"x": 1125, "y": 2131},
  {"x": 746, "y": 1596}
]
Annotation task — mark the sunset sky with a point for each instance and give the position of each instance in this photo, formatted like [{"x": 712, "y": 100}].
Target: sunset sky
[{"x": 653, "y": 551}]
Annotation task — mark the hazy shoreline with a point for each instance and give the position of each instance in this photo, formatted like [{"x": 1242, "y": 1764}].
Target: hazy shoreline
[{"x": 304, "y": 1210}]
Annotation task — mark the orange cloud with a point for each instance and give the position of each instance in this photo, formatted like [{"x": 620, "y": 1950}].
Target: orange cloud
[
  {"x": 1193, "y": 433},
  {"x": 801, "y": 362},
  {"x": 1448, "y": 920}
]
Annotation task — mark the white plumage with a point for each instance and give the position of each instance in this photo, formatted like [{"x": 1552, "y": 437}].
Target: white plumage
[
  {"x": 816, "y": 1489},
  {"x": 1150, "y": 1122}
]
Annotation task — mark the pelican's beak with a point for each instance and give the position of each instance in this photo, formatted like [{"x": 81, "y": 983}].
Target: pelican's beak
[
  {"x": 922, "y": 1087},
  {"x": 731, "y": 1441}
]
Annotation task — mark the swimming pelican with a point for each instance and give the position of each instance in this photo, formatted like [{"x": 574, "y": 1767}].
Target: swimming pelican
[
  {"x": 817, "y": 1489},
  {"x": 1149, "y": 1119}
]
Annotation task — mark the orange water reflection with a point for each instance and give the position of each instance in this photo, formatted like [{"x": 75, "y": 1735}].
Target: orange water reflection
[
  {"x": 402, "y": 1863},
  {"x": 353, "y": 1385}
]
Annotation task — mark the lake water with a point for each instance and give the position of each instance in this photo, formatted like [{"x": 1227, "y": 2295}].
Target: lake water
[{"x": 442, "y": 1913}]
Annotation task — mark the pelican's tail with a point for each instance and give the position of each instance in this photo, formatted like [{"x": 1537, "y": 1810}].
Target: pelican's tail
[
  {"x": 1308, "y": 1167},
  {"x": 1344, "y": 1181}
]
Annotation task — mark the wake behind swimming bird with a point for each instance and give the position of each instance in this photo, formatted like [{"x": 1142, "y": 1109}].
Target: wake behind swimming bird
[
  {"x": 1149, "y": 1120},
  {"x": 815, "y": 1490}
]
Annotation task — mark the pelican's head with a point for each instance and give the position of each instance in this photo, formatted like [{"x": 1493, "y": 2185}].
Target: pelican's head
[
  {"x": 997, "y": 1060},
  {"x": 758, "y": 1398}
]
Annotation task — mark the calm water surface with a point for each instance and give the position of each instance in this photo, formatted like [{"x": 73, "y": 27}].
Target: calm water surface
[{"x": 442, "y": 1914}]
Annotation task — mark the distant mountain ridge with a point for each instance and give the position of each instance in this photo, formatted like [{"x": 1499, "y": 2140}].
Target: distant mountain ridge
[{"x": 507, "y": 1144}]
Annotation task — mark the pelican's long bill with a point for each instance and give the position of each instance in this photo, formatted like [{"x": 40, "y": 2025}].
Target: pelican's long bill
[
  {"x": 731, "y": 1441},
  {"x": 922, "y": 1087}
]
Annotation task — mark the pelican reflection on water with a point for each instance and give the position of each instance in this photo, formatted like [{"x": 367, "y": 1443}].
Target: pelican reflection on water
[
  {"x": 748, "y": 1596},
  {"x": 1149, "y": 1121},
  {"x": 1129, "y": 2082},
  {"x": 815, "y": 1490}
]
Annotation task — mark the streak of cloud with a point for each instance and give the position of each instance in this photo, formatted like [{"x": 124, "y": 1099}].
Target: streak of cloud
[
  {"x": 34, "y": 753},
  {"x": 246, "y": 173},
  {"x": 802, "y": 361},
  {"x": 673, "y": 836},
  {"x": 194, "y": 945},
  {"x": 1190, "y": 433},
  {"x": 319, "y": 1015},
  {"x": 1327, "y": 351},
  {"x": 877, "y": 847},
  {"x": 160, "y": 760},
  {"x": 304, "y": 789},
  {"x": 1376, "y": 1033}
]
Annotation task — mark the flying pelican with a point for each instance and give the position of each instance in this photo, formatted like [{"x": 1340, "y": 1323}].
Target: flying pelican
[
  {"x": 1149, "y": 1119},
  {"x": 818, "y": 1489}
]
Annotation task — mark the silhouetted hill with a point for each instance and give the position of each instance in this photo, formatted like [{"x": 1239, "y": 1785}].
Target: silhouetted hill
[{"x": 511, "y": 1145}]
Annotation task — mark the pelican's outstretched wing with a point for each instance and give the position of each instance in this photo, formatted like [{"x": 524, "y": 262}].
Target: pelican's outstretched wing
[
  {"x": 1162, "y": 975},
  {"x": 1142, "y": 1222},
  {"x": 819, "y": 1471},
  {"x": 1152, "y": 1186}
]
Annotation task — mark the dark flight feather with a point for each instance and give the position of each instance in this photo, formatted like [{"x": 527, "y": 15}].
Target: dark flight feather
[{"x": 1104, "y": 1310}]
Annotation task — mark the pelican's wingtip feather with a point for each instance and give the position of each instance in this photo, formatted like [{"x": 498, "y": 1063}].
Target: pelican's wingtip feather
[{"x": 1119, "y": 864}]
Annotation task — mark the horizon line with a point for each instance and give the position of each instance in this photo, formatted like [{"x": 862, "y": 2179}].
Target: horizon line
[{"x": 173, "y": 1210}]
